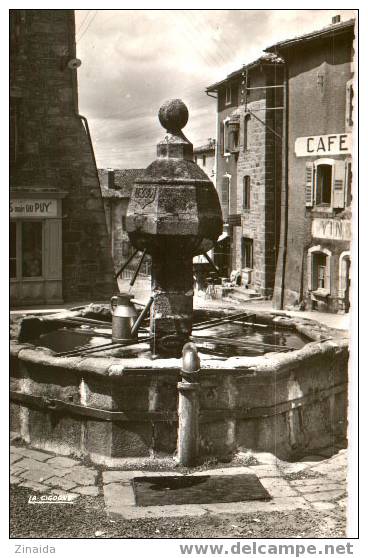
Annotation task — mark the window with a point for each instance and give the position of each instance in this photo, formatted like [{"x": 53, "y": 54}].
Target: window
[
  {"x": 13, "y": 249},
  {"x": 195, "y": 158},
  {"x": 327, "y": 183},
  {"x": 228, "y": 95},
  {"x": 247, "y": 253},
  {"x": 31, "y": 249},
  {"x": 323, "y": 185},
  {"x": 318, "y": 264},
  {"x": 204, "y": 160},
  {"x": 123, "y": 222},
  {"x": 246, "y": 192},
  {"x": 319, "y": 277},
  {"x": 246, "y": 123}
]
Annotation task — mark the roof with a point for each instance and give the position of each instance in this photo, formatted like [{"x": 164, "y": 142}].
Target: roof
[
  {"x": 326, "y": 32},
  {"x": 265, "y": 59},
  {"x": 208, "y": 147},
  {"x": 123, "y": 182}
]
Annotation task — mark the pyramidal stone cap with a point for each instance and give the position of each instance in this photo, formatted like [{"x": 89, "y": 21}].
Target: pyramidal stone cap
[{"x": 174, "y": 205}]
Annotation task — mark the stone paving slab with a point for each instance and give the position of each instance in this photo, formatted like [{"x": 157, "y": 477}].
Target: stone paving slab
[
  {"x": 60, "y": 483},
  {"x": 323, "y": 506},
  {"x": 37, "y": 476},
  {"x": 15, "y": 457},
  {"x": 63, "y": 462},
  {"x": 323, "y": 487},
  {"x": 32, "y": 454},
  {"x": 119, "y": 495},
  {"x": 38, "y": 467},
  {"x": 36, "y": 486},
  {"x": 265, "y": 471},
  {"x": 87, "y": 490},
  {"x": 16, "y": 470},
  {"x": 255, "y": 506},
  {"x": 14, "y": 480},
  {"x": 329, "y": 495},
  {"x": 147, "y": 512},
  {"x": 82, "y": 476}
]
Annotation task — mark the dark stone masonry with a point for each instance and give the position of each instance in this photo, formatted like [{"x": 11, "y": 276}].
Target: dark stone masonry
[{"x": 52, "y": 157}]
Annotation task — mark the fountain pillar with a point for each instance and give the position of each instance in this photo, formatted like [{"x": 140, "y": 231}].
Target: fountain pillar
[{"x": 174, "y": 214}]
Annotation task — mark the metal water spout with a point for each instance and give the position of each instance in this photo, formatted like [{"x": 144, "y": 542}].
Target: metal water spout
[{"x": 174, "y": 214}]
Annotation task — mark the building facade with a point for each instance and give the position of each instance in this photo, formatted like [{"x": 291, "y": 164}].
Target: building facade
[
  {"x": 116, "y": 189},
  {"x": 59, "y": 246},
  {"x": 248, "y": 175},
  {"x": 205, "y": 157},
  {"x": 314, "y": 264}
]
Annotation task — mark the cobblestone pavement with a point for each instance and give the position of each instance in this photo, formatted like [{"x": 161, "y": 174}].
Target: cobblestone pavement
[{"x": 317, "y": 482}]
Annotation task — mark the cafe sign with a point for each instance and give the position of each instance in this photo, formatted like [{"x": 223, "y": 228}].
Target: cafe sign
[
  {"x": 33, "y": 208},
  {"x": 331, "y": 229},
  {"x": 321, "y": 146}
]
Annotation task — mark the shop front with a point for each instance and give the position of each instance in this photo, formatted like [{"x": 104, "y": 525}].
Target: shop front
[{"x": 35, "y": 247}]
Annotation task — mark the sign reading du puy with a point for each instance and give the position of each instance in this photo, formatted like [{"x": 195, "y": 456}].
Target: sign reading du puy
[
  {"x": 33, "y": 208},
  {"x": 320, "y": 146},
  {"x": 331, "y": 229}
]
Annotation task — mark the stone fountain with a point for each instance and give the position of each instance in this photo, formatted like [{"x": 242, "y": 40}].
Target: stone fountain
[
  {"x": 174, "y": 214},
  {"x": 266, "y": 382}
]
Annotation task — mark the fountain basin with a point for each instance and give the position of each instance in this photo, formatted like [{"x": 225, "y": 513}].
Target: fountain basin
[{"x": 113, "y": 408}]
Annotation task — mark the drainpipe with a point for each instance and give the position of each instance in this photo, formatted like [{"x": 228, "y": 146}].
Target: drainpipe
[
  {"x": 279, "y": 298},
  {"x": 188, "y": 408}
]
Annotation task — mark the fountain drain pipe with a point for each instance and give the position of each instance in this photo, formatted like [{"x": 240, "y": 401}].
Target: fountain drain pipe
[{"x": 188, "y": 411}]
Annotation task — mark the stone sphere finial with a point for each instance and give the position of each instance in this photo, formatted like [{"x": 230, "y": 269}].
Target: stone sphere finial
[{"x": 173, "y": 115}]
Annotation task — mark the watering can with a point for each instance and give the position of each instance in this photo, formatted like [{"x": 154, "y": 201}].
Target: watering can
[{"x": 124, "y": 315}]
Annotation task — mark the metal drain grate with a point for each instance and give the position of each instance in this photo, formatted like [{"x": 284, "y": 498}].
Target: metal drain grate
[{"x": 201, "y": 489}]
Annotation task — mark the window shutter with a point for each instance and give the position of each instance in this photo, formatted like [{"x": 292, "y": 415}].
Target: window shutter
[
  {"x": 309, "y": 175},
  {"x": 225, "y": 196},
  {"x": 222, "y": 138},
  {"x": 339, "y": 181},
  {"x": 328, "y": 274},
  {"x": 309, "y": 270}
]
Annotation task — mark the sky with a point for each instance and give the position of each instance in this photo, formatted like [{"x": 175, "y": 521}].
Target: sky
[{"x": 133, "y": 60}]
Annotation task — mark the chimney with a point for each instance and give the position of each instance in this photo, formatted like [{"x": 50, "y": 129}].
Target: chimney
[
  {"x": 111, "y": 179},
  {"x": 336, "y": 19}
]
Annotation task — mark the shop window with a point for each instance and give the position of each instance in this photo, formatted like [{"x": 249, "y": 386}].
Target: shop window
[
  {"x": 323, "y": 184},
  {"x": 247, "y": 253},
  {"x": 246, "y": 192},
  {"x": 31, "y": 249},
  {"x": 246, "y": 131},
  {"x": 13, "y": 250}
]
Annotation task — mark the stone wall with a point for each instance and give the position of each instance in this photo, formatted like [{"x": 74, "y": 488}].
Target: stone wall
[{"x": 52, "y": 146}]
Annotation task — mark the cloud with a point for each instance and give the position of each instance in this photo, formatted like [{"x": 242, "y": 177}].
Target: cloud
[{"x": 133, "y": 60}]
